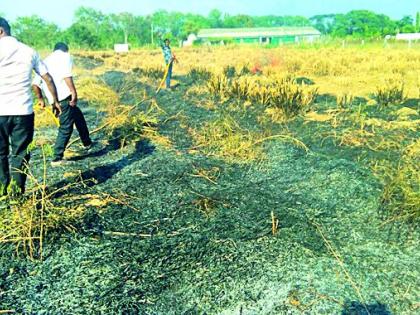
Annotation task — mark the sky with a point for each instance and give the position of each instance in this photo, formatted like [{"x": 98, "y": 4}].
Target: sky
[{"x": 61, "y": 11}]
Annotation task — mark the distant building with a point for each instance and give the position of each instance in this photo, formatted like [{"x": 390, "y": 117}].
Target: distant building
[
  {"x": 261, "y": 35},
  {"x": 408, "y": 36},
  {"x": 190, "y": 40},
  {"x": 121, "y": 48}
]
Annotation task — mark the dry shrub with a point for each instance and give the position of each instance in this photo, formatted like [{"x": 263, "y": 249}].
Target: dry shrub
[
  {"x": 28, "y": 220},
  {"x": 129, "y": 124},
  {"x": 198, "y": 74},
  {"x": 391, "y": 93},
  {"x": 218, "y": 85},
  {"x": 345, "y": 100},
  {"x": 401, "y": 194},
  {"x": 240, "y": 88},
  {"x": 283, "y": 95},
  {"x": 224, "y": 138},
  {"x": 290, "y": 98},
  {"x": 150, "y": 72},
  {"x": 97, "y": 93}
]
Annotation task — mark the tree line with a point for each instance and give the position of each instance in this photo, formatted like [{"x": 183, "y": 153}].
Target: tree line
[{"x": 93, "y": 29}]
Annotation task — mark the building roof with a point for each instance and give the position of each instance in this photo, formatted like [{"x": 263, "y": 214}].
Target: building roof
[{"x": 256, "y": 32}]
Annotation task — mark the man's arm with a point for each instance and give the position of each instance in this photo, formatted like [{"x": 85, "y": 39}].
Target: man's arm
[
  {"x": 38, "y": 94},
  {"x": 51, "y": 87},
  {"x": 70, "y": 84},
  {"x": 41, "y": 70}
]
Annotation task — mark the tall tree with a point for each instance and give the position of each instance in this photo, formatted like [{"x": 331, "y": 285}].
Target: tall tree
[
  {"x": 215, "y": 19},
  {"x": 96, "y": 27},
  {"x": 35, "y": 31},
  {"x": 193, "y": 23},
  {"x": 362, "y": 23},
  {"x": 240, "y": 20},
  {"x": 323, "y": 23},
  {"x": 406, "y": 25},
  {"x": 125, "y": 23}
]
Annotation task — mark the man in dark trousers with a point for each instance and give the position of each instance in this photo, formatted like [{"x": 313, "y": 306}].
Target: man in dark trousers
[
  {"x": 169, "y": 60},
  {"x": 59, "y": 65},
  {"x": 17, "y": 61}
]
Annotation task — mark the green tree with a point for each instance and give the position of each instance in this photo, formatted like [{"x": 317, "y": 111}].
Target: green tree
[
  {"x": 35, "y": 31},
  {"x": 275, "y": 21},
  {"x": 237, "y": 21},
  {"x": 124, "y": 23},
  {"x": 81, "y": 36},
  {"x": 97, "y": 28},
  {"x": 193, "y": 23},
  {"x": 362, "y": 23},
  {"x": 161, "y": 24},
  {"x": 406, "y": 25},
  {"x": 323, "y": 23},
  {"x": 215, "y": 19}
]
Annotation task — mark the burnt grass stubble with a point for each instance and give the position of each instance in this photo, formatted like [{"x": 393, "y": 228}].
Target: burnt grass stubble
[{"x": 175, "y": 256}]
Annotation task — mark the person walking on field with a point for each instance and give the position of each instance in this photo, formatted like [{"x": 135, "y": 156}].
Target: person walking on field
[
  {"x": 169, "y": 60},
  {"x": 17, "y": 61},
  {"x": 60, "y": 65}
]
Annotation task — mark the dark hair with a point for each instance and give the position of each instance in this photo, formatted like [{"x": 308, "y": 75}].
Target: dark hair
[
  {"x": 166, "y": 40},
  {"x": 61, "y": 46},
  {"x": 5, "y": 26}
]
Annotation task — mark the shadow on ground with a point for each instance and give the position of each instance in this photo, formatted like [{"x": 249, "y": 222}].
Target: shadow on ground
[
  {"x": 101, "y": 174},
  {"x": 357, "y": 308}
]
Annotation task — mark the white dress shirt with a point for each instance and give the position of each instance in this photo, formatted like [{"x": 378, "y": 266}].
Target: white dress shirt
[
  {"x": 16, "y": 64},
  {"x": 59, "y": 65}
]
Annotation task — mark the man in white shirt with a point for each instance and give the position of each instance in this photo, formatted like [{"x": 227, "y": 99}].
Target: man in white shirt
[
  {"x": 60, "y": 65},
  {"x": 17, "y": 61}
]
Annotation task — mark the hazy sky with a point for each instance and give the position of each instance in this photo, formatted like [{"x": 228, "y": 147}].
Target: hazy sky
[{"x": 61, "y": 11}]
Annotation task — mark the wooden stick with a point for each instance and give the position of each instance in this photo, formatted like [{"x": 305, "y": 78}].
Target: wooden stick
[
  {"x": 164, "y": 78},
  {"x": 50, "y": 112}
]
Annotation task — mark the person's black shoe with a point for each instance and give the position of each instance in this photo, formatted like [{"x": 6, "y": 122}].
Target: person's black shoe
[{"x": 89, "y": 148}]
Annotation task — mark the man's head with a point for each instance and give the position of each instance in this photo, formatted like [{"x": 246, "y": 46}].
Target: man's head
[
  {"x": 167, "y": 42},
  {"x": 4, "y": 28},
  {"x": 61, "y": 46}
]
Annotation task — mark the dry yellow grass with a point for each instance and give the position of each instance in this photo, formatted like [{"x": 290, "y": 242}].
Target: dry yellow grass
[
  {"x": 341, "y": 74},
  {"x": 334, "y": 70}
]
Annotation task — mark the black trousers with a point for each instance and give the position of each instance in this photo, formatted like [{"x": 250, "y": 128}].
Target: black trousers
[
  {"x": 69, "y": 117},
  {"x": 16, "y": 133}
]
